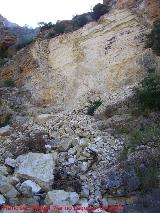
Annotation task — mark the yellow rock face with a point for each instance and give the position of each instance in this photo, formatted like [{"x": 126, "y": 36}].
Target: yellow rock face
[{"x": 97, "y": 60}]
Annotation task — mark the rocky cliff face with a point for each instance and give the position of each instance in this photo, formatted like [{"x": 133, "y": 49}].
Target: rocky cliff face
[
  {"x": 95, "y": 61},
  {"x": 52, "y": 148},
  {"x": 149, "y": 9}
]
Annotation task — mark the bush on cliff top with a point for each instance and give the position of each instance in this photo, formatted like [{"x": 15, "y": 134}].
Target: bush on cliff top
[
  {"x": 99, "y": 10},
  {"x": 77, "y": 22}
]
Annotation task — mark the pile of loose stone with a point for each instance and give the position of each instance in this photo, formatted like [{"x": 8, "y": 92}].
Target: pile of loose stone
[{"x": 68, "y": 172}]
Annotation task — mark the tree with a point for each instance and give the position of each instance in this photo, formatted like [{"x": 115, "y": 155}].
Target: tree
[{"x": 99, "y": 10}]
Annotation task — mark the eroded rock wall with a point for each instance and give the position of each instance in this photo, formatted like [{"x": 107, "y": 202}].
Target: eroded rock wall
[
  {"x": 100, "y": 59},
  {"x": 147, "y": 8}
]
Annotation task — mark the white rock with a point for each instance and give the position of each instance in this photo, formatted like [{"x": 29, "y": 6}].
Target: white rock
[
  {"x": 48, "y": 148},
  {"x": 25, "y": 190},
  {"x": 43, "y": 117},
  {"x": 5, "y": 131},
  {"x": 37, "y": 167},
  {"x": 105, "y": 202},
  {"x": 85, "y": 191},
  {"x": 73, "y": 198},
  {"x": 35, "y": 187},
  {"x": 3, "y": 170},
  {"x": 10, "y": 162},
  {"x": 60, "y": 197},
  {"x": 84, "y": 166},
  {"x": 71, "y": 160},
  {"x": 2, "y": 200}
]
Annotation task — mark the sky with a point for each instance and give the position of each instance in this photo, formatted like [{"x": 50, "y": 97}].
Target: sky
[{"x": 31, "y": 12}]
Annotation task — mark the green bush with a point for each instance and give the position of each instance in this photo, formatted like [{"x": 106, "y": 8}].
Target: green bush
[
  {"x": 79, "y": 20},
  {"x": 149, "y": 177},
  {"x": 99, "y": 10},
  {"x": 148, "y": 135},
  {"x": 60, "y": 27},
  {"x": 5, "y": 119},
  {"x": 153, "y": 40},
  {"x": 148, "y": 92},
  {"x": 93, "y": 107},
  {"x": 3, "y": 52},
  {"x": 9, "y": 83},
  {"x": 23, "y": 43},
  {"x": 45, "y": 26},
  {"x": 2, "y": 61},
  {"x": 51, "y": 34}
]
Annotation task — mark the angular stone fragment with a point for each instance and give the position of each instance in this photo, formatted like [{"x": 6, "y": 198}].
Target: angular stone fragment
[
  {"x": 60, "y": 197},
  {"x": 6, "y": 188},
  {"x": 10, "y": 162},
  {"x": 37, "y": 167},
  {"x": 35, "y": 187}
]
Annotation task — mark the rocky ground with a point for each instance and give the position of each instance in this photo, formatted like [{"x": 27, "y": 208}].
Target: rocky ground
[{"x": 71, "y": 158}]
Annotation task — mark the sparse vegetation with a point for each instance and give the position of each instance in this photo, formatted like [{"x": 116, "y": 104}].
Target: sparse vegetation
[
  {"x": 153, "y": 39},
  {"x": 148, "y": 92},
  {"x": 9, "y": 83},
  {"x": 2, "y": 61},
  {"x": 146, "y": 136},
  {"x": 3, "y": 52},
  {"x": 93, "y": 107},
  {"x": 77, "y": 22},
  {"x": 23, "y": 43},
  {"x": 149, "y": 177},
  {"x": 5, "y": 120},
  {"x": 45, "y": 26}
]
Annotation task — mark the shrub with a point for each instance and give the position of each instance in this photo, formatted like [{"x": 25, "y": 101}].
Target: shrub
[
  {"x": 153, "y": 40},
  {"x": 45, "y": 26},
  {"x": 93, "y": 106},
  {"x": 148, "y": 135},
  {"x": 3, "y": 52},
  {"x": 23, "y": 43},
  {"x": 99, "y": 10},
  {"x": 149, "y": 177},
  {"x": 60, "y": 27},
  {"x": 51, "y": 34},
  {"x": 148, "y": 93},
  {"x": 79, "y": 20},
  {"x": 9, "y": 83},
  {"x": 5, "y": 119},
  {"x": 2, "y": 61}
]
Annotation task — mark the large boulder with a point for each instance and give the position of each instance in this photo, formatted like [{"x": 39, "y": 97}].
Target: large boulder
[
  {"x": 37, "y": 167},
  {"x": 61, "y": 198}
]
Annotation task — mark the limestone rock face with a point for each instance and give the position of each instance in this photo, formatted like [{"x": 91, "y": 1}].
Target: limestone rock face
[
  {"x": 96, "y": 60},
  {"x": 36, "y": 167}
]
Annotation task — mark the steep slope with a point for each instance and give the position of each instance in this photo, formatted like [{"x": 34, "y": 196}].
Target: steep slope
[{"x": 52, "y": 148}]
